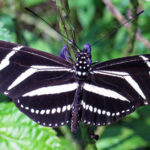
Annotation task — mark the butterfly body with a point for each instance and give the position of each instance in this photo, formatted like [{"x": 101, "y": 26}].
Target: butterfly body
[
  {"x": 52, "y": 91},
  {"x": 83, "y": 65}
]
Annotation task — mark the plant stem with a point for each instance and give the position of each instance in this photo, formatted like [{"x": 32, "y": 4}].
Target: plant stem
[
  {"x": 121, "y": 19},
  {"x": 89, "y": 143},
  {"x": 133, "y": 29},
  {"x": 67, "y": 135},
  {"x": 66, "y": 28}
]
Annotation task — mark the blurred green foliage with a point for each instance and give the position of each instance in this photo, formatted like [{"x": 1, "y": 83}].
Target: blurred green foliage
[
  {"x": 91, "y": 21},
  {"x": 18, "y": 132}
]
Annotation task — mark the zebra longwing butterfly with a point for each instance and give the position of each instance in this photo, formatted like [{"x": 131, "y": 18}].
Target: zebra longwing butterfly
[{"x": 52, "y": 91}]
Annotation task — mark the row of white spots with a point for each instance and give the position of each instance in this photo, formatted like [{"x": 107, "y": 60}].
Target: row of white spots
[
  {"x": 53, "y": 125},
  {"x": 56, "y": 89},
  {"x": 104, "y": 92},
  {"x": 6, "y": 61},
  {"x": 96, "y": 124},
  {"x": 124, "y": 76},
  {"x": 36, "y": 68},
  {"x": 103, "y": 112},
  {"x": 47, "y": 111}
]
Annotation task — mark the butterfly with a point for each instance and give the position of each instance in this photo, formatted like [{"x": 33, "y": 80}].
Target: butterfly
[{"x": 52, "y": 91}]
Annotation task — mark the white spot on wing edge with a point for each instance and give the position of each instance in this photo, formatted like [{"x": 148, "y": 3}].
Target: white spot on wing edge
[
  {"x": 21, "y": 106},
  {"x": 27, "y": 108},
  {"x": 56, "y": 89},
  {"x": 103, "y": 92},
  {"x": 108, "y": 113},
  {"x": 99, "y": 111},
  {"x": 58, "y": 110},
  {"x": 64, "y": 108},
  {"x": 62, "y": 123},
  {"x": 53, "y": 111},
  {"x": 5, "y": 62},
  {"x": 47, "y": 111},
  {"x": 91, "y": 108},
  {"x": 68, "y": 107},
  {"x": 145, "y": 103},
  {"x": 37, "y": 111},
  {"x": 42, "y": 112},
  {"x": 6, "y": 93},
  {"x": 32, "y": 110}
]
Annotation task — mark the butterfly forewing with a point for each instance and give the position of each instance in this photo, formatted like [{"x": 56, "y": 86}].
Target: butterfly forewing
[{"x": 131, "y": 74}]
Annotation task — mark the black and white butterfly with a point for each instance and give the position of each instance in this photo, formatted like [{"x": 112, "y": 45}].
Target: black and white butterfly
[{"x": 52, "y": 91}]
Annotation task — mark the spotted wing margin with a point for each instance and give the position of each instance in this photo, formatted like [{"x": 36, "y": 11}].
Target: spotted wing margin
[
  {"x": 116, "y": 88},
  {"x": 48, "y": 78},
  {"x": 50, "y": 105}
]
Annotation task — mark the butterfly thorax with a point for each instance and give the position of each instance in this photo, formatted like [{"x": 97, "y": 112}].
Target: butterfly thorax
[{"x": 82, "y": 65}]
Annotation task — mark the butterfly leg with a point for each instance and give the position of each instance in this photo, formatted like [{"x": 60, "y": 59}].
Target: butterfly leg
[{"x": 64, "y": 52}]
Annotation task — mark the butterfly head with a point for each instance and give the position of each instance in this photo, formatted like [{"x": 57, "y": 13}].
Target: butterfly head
[{"x": 83, "y": 63}]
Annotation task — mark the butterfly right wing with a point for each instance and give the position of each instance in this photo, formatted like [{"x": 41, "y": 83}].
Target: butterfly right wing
[{"x": 116, "y": 88}]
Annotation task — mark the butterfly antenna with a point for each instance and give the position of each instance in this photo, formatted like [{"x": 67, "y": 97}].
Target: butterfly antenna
[
  {"x": 69, "y": 41},
  {"x": 115, "y": 29}
]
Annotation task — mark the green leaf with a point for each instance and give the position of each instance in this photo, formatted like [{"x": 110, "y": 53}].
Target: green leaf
[
  {"x": 86, "y": 14},
  {"x": 18, "y": 132},
  {"x": 30, "y": 3},
  {"x": 131, "y": 133},
  {"x": 4, "y": 34},
  {"x": 85, "y": 11},
  {"x": 68, "y": 145},
  {"x": 35, "y": 42},
  {"x": 120, "y": 138}
]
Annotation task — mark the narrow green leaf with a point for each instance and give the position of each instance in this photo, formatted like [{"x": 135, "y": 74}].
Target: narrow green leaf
[{"x": 4, "y": 34}]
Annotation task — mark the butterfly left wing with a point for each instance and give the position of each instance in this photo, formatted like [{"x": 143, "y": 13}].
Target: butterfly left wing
[
  {"x": 41, "y": 85},
  {"x": 115, "y": 89}
]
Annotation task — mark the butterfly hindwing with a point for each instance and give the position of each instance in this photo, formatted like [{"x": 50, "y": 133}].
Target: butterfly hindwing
[
  {"x": 102, "y": 106},
  {"x": 48, "y": 110}
]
